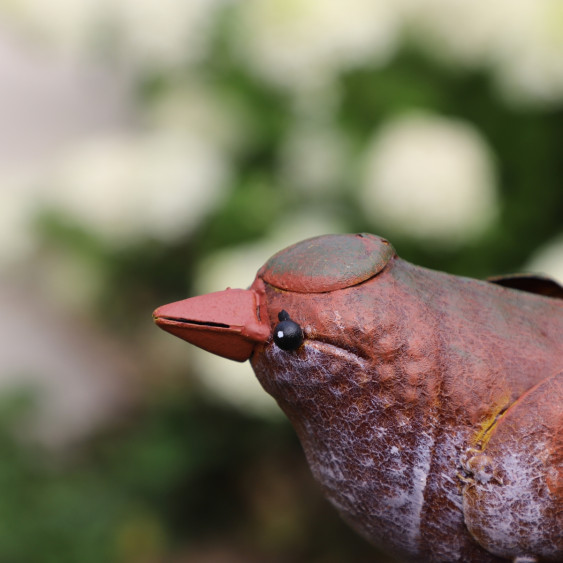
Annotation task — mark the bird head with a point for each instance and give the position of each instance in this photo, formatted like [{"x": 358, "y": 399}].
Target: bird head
[{"x": 301, "y": 322}]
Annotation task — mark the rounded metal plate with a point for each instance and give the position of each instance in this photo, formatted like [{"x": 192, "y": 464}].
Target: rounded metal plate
[{"x": 327, "y": 263}]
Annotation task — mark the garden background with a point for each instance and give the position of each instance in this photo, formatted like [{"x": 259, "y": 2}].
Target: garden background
[{"x": 154, "y": 149}]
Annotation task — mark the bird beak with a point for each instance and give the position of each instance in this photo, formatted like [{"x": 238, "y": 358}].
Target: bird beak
[{"x": 228, "y": 323}]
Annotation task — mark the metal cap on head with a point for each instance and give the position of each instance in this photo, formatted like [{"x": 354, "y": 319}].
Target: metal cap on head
[
  {"x": 228, "y": 323},
  {"x": 327, "y": 263}
]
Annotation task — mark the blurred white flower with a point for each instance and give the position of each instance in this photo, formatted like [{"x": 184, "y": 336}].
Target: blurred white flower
[
  {"x": 297, "y": 43},
  {"x": 162, "y": 33},
  {"x": 314, "y": 158},
  {"x": 146, "y": 33},
  {"x": 529, "y": 64},
  {"x": 521, "y": 43},
  {"x": 158, "y": 185},
  {"x": 67, "y": 25},
  {"x": 233, "y": 382},
  {"x": 431, "y": 178},
  {"x": 434, "y": 24},
  {"x": 548, "y": 260},
  {"x": 199, "y": 108}
]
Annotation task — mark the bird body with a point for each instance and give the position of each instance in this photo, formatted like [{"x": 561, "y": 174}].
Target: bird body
[{"x": 429, "y": 406}]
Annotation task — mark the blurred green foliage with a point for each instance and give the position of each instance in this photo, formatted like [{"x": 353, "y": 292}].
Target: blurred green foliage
[{"x": 182, "y": 475}]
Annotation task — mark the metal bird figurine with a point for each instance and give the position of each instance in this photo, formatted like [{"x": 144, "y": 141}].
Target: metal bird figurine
[{"x": 429, "y": 406}]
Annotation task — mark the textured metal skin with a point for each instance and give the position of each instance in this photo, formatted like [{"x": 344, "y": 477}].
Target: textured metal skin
[
  {"x": 429, "y": 407},
  {"x": 522, "y": 462}
]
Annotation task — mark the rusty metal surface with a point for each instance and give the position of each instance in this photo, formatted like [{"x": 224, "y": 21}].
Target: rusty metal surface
[
  {"x": 523, "y": 456},
  {"x": 405, "y": 388},
  {"x": 327, "y": 263},
  {"x": 226, "y": 322}
]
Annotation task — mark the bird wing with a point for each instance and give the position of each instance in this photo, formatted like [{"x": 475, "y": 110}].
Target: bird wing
[{"x": 513, "y": 498}]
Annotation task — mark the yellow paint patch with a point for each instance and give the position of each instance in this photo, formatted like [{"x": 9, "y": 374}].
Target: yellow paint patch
[{"x": 487, "y": 426}]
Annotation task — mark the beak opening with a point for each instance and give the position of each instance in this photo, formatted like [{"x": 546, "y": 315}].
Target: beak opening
[{"x": 228, "y": 323}]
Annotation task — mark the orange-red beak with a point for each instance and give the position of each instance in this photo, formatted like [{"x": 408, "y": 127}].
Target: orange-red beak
[{"x": 228, "y": 323}]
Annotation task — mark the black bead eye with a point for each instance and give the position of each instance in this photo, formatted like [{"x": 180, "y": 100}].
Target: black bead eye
[{"x": 287, "y": 334}]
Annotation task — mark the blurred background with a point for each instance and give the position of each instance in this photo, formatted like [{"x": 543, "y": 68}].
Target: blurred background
[{"x": 154, "y": 149}]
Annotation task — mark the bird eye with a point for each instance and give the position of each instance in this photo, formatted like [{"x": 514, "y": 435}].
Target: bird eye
[{"x": 287, "y": 333}]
